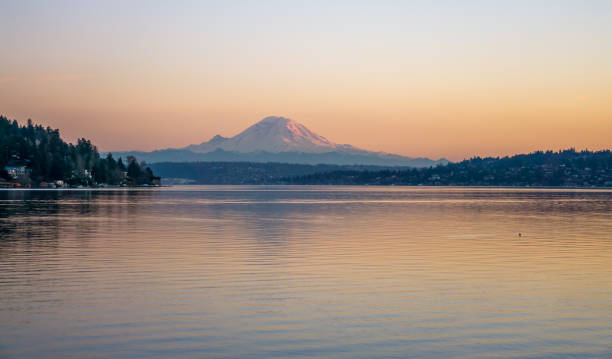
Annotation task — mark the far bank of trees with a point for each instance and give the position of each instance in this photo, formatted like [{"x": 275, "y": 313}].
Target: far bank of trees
[{"x": 567, "y": 168}]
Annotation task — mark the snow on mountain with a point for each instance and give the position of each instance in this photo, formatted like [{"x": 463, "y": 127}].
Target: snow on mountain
[
  {"x": 278, "y": 139},
  {"x": 274, "y": 135}
]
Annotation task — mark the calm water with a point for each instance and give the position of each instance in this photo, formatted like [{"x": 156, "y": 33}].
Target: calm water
[{"x": 306, "y": 272}]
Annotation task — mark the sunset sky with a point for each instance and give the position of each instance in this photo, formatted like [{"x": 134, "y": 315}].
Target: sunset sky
[{"x": 418, "y": 78}]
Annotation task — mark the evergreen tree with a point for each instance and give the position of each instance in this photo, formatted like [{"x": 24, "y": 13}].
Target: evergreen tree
[{"x": 133, "y": 170}]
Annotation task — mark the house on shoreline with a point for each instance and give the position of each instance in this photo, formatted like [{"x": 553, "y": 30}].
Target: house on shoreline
[{"x": 18, "y": 172}]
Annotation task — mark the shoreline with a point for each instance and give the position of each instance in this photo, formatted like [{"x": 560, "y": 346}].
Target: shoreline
[{"x": 301, "y": 185}]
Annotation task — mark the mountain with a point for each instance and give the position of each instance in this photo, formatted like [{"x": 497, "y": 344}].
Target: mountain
[
  {"x": 278, "y": 139},
  {"x": 274, "y": 135}
]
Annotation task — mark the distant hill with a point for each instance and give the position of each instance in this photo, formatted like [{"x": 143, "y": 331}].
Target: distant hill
[
  {"x": 281, "y": 140},
  {"x": 334, "y": 158},
  {"x": 568, "y": 168},
  {"x": 244, "y": 172}
]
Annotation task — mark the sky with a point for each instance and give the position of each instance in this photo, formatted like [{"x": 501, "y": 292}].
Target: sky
[{"x": 451, "y": 79}]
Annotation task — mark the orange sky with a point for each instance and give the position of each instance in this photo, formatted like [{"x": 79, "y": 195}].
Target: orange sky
[{"x": 417, "y": 79}]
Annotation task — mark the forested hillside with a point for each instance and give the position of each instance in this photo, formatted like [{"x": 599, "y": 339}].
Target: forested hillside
[
  {"x": 244, "y": 172},
  {"x": 568, "y": 168},
  {"x": 47, "y": 158}
]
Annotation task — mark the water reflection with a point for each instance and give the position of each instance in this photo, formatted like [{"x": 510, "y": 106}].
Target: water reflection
[{"x": 305, "y": 271}]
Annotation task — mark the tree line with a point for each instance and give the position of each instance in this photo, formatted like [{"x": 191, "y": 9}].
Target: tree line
[
  {"x": 48, "y": 158},
  {"x": 244, "y": 172},
  {"x": 569, "y": 168},
  {"x": 566, "y": 168}
]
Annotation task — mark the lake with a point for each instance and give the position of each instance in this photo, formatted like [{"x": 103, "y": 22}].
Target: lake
[{"x": 306, "y": 272}]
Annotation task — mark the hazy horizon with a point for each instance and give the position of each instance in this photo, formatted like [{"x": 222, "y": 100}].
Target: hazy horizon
[
  {"x": 415, "y": 79},
  {"x": 229, "y": 136}
]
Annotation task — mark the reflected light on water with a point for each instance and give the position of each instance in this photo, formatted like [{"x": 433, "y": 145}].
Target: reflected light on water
[{"x": 329, "y": 272}]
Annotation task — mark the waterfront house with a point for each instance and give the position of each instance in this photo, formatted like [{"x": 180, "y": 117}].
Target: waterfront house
[{"x": 18, "y": 172}]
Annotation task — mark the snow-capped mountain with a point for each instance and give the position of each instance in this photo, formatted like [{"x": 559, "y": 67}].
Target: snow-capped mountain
[
  {"x": 274, "y": 135},
  {"x": 278, "y": 139}
]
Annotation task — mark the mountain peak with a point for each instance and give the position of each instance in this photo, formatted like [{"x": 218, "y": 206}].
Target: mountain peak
[
  {"x": 280, "y": 123},
  {"x": 275, "y": 120},
  {"x": 281, "y": 134},
  {"x": 217, "y": 139}
]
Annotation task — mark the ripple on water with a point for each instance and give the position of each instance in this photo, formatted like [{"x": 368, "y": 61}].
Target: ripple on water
[{"x": 328, "y": 272}]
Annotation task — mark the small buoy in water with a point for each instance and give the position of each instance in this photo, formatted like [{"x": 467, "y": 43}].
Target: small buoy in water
[{"x": 520, "y": 234}]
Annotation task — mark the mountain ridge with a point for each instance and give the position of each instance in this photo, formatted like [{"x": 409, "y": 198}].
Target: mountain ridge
[
  {"x": 278, "y": 139},
  {"x": 273, "y": 134}
]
